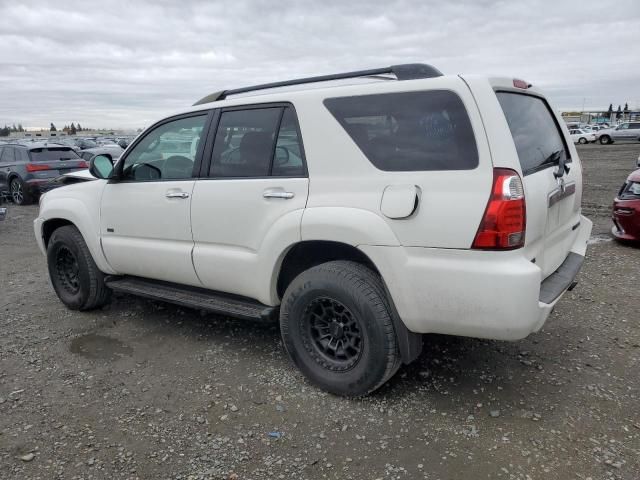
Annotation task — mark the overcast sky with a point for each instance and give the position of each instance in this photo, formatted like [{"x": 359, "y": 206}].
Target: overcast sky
[{"x": 127, "y": 63}]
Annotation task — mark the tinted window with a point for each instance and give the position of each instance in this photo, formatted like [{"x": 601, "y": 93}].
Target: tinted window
[
  {"x": 244, "y": 143},
  {"x": 166, "y": 152},
  {"x": 52, "y": 154},
  {"x": 288, "y": 156},
  {"x": 634, "y": 125},
  {"x": 7, "y": 155},
  {"x": 535, "y": 133},
  {"x": 409, "y": 131}
]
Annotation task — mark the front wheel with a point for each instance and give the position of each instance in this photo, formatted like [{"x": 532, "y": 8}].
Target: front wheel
[
  {"x": 76, "y": 279},
  {"x": 582, "y": 140},
  {"x": 337, "y": 327},
  {"x": 605, "y": 140}
]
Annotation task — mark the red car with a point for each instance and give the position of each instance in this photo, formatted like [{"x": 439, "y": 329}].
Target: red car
[{"x": 626, "y": 210}]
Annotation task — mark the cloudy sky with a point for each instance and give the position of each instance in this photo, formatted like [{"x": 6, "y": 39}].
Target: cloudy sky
[{"x": 120, "y": 63}]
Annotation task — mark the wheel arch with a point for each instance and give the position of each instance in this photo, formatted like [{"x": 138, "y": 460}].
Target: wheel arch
[{"x": 309, "y": 253}]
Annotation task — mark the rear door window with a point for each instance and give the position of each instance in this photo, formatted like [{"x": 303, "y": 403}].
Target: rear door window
[
  {"x": 409, "y": 131},
  {"x": 534, "y": 130},
  {"x": 7, "y": 155},
  {"x": 258, "y": 142}
]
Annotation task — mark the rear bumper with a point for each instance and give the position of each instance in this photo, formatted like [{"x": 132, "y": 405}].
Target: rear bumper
[
  {"x": 37, "y": 186},
  {"x": 497, "y": 295}
]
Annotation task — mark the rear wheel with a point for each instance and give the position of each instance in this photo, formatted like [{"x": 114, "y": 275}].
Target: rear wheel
[
  {"x": 582, "y": 140},
  {"x": 75, "y": 277},
  {"x": 19, "y": 193},
  {"x": 605, "y": 140},
  {"x": 337, "y": 328}
]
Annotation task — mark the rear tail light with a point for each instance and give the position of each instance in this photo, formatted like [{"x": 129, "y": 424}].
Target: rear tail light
[
  {"x": 37, "y": 167},
  {"x": 83, "y": 164},
  {"x": 504, "y": 223}
]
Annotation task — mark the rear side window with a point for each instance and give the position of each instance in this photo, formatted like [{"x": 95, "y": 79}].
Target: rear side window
[
  {"x": 409, "y": 131},
  {"x": 257, "y": 142},
  {"x": 52, "y": 154},
  {"x": 534, "y": 130},
  {"x": 7, "y": 155}
]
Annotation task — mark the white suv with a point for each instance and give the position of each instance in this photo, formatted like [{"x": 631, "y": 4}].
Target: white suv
[{"x": 361, "y": 209}]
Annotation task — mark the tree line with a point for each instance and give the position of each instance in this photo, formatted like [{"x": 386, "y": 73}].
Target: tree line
[{"x": 68, "y": 129}]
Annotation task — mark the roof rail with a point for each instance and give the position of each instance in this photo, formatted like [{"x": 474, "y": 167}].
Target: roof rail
[{"x": 407, "y": 71}]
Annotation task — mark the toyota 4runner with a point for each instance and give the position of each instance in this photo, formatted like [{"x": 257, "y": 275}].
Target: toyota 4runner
[{"x": 362, "y": 209}]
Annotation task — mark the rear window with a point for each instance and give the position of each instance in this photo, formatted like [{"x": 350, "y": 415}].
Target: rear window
[
  {"x": 409, "y": 131},
  {"x": 534, "y": 130},
  {"x": 52, "y": 154}
]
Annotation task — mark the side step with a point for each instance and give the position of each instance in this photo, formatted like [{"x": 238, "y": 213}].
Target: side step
[{"x": 193, "y": 297}]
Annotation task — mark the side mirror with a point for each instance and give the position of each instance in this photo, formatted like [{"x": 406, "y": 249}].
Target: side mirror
[
  {"x": 638, "y": 162},
  {"x": 100, "y": 166}
]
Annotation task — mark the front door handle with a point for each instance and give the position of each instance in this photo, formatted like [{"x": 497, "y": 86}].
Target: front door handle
[
  {"x": 278, "y": 194},
  {"x": 176, "y": 195}
]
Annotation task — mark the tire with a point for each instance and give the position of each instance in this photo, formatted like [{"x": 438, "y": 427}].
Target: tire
[
  {"x": 605, "y": 140},
  {"x": 340, "y": 299},
  {"x": 19, "y": 193},
  {"x": 76, "y": 279},
  {"x": 582, "y": 140}
]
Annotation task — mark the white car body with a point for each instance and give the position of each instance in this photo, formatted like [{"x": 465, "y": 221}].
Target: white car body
[
  {"x": 582, "y": 136},
  {"x": 224, "y": 235}
]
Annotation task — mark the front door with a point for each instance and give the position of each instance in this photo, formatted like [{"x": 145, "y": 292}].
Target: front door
[
  {"x": 248, "y": 205},
  {"x": 145, "y": 214}
]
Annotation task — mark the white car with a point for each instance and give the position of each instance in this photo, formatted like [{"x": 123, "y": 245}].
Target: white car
[
  {"x": 361, "y": 209},
  {"x": 582, "y": 136}
]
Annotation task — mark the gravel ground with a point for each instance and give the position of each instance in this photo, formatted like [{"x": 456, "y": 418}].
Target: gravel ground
[{"x": 144, "y": 389}]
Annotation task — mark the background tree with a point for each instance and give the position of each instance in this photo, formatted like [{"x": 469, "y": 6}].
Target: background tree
[
  {"x": 72, "y": 129},
  {"x": 14, "y": 128},
  {"x": 4, "y": 132},
  {"x": 610, "y": 111},
  {"x": 79, "y": 128},
  {"x": 625, "y": 110},
  {"x": 53, "y": 128},
  {"x": 20, "y": 129},
  {"x": 618, "y": 113}
]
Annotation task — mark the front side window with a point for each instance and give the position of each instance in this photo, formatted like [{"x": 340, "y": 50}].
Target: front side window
[
  {"x": 168, "y": 152},
  {"x": 409, "y": 131},
  {"x": 535, "y": 132}
]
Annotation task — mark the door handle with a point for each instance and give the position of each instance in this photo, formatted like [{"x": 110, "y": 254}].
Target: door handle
[
  {"x": 176, "y": 195},
  {"x": 278, "y": 194}
]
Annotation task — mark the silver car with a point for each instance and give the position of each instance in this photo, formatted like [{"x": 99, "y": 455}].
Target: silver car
[{"x": 628, "y": 131}]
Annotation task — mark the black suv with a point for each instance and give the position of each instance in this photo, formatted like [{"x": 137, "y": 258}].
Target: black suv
[{"x": 28, "y": 170}]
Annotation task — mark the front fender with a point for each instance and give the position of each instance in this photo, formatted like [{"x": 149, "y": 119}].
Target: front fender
[{"x": 82, "y": 210}]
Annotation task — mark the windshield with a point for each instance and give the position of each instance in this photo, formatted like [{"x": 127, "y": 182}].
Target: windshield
[
  {"x": 52, "y": 154},
  {"x": 534, "y": 130}
]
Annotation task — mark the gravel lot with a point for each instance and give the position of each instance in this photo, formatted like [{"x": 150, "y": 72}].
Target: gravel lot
[{"x": 144, "y": 389}]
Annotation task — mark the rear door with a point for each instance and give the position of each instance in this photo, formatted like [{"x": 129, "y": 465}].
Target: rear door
[
  {"x": 552, "y": 193},
  {"x": 247, "y": 206}
]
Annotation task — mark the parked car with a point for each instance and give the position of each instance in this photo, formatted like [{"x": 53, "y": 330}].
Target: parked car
[
  {"x": 626, "y": 209},
  {"x": 27, "y": 170},
  {"x": 112, "y": 151},
  {"x": 581, "y": 136},
  {"x": 627, "y": 131},
  {"x": 362, "y": 214},
  {"x": 85, "y": 143}
]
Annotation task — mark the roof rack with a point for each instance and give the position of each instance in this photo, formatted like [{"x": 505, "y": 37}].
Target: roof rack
[{"x": 407, "y": 71}]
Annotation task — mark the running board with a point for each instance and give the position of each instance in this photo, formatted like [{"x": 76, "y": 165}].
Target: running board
[{"x": 193, "y": 297}]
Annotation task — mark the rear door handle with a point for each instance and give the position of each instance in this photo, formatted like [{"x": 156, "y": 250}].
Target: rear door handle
[
  {"x": 176, "y": 195},
  {"x": 278, "y": 194}
]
